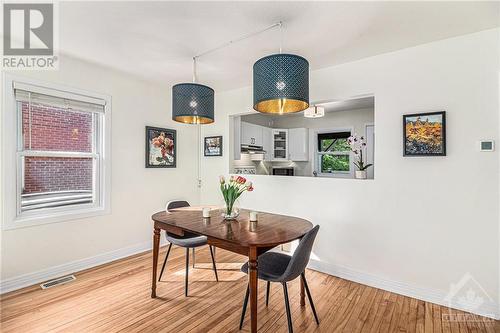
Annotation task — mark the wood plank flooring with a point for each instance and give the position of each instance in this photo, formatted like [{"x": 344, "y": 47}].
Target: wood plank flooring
[{"x": 116, "y": 298}]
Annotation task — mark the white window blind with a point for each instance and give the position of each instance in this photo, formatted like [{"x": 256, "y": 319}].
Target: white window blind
[{"x": 32, "y": 97}]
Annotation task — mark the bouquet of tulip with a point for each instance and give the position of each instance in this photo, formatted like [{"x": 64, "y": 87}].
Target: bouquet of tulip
[{"x": 231, "y": 191}]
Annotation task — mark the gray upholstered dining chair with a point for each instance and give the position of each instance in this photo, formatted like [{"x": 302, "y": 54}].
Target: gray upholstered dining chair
[
  {"x": 189, "y": 241},
  {"x": 278, "y": 267}
]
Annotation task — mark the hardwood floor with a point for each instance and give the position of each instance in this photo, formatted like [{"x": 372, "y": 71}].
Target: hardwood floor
[{"x": 116, "y": 297}]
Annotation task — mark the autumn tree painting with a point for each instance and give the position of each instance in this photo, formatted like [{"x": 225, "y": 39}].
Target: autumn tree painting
[{"x": 424, "y": 134}]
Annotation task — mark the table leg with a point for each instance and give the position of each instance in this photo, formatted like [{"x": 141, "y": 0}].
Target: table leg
[
  {"x": 156, "y": 249},
  {"x": 253, "y": 282},
  {"x": 302, "y": 295}
]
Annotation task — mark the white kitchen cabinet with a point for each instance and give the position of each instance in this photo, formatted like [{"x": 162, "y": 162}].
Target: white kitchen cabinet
[
  {"x": 298, "y": 144},
  {"x": 251, "y": 134},
  {"x": 237, "y": 138},
  {"x": 267, "y": 137},
  {"x": 279, "y": 144}
]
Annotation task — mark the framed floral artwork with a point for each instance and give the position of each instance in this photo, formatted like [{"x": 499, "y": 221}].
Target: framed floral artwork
[{"x": 161, "y": 147}]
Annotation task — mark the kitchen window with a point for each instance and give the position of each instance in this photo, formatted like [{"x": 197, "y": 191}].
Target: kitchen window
[
  {"x": 333, "y": 153},
  {"x": 61, "y": 141}
]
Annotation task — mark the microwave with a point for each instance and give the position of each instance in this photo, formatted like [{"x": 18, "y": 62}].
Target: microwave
[{"x": 283, "y": 171}]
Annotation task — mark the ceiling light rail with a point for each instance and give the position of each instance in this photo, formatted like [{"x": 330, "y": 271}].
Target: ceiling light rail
[
  {"x": 193, "y": 103},
  {"x": 249, "y": 35}
]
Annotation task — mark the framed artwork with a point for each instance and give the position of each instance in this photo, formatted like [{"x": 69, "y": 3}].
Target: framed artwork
[
  {"x": 424, "y": 134},
  {"x": 161, "y": 147},
  {"x": 213, "y": 146}
]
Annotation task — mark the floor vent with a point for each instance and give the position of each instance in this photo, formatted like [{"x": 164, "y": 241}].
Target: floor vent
[{"x": 58, "y": 281}]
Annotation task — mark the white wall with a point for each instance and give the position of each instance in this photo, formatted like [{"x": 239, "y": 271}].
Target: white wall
[
  {"x": 137, "y": 192},
  {"x": 423, "y": 222}
]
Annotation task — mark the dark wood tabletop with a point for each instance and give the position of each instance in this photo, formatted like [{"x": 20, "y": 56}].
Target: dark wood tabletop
[
  {"x": 241, "y": 236},
  {"x": 269, "y": 230}
]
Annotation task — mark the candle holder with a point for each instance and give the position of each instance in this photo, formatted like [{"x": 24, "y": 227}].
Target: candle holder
[
  {"x": 206, "y": 212},
  {"x": 253, "y": 216},
  {"x": 252, "y": 226}
]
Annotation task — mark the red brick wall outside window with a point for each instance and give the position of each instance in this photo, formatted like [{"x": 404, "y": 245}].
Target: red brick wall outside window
[{"x": 54, "y": 129}]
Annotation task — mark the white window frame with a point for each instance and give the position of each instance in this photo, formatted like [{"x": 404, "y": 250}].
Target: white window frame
[
  {"x": 12, "y": 218},
  {"x": 318, "y": 154}
]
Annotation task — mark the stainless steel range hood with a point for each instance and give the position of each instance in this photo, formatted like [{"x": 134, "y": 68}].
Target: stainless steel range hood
[
  {"x": 251, "y": 149},
  {"x": 256, "y": 152}
]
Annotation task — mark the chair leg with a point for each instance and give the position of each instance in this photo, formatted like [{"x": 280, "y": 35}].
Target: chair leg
[
  {"x": 303, "y": 276},
  {"x": 267, "y": 292},
  {"x": 245, "y": 302},
  {"x": 287, "y": 306},
  {"x": 213, "y": 263},
  {"x": 187, "y": 273},
  {"x": 194, "y": 259},
  {"x": 165, "y": 262}
]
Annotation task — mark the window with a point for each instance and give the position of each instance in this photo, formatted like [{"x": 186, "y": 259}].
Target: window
[
  {"x": 60, "y": 139},
  {"x": 333, "y": 154}
]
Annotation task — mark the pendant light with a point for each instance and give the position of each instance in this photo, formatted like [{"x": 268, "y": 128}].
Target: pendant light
[
  {"x": 193, "y": 103},
  {"x": 281, "y": 83},
  {"x": 314, "y": 112}
]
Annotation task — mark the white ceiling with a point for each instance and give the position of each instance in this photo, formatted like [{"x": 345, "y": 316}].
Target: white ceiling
[
  {"x": 156, "y": 40},
  {"x": 350, "y": 104}
]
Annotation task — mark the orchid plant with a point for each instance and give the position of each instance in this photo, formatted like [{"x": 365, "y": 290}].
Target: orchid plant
[
  {"x": 232, "y": 190},
  {"x": 357, "y": 145}
]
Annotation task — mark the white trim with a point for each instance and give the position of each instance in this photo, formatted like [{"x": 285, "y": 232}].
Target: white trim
[
  {"x": 43, "y": 275},
  {"x": 491, "y": 309},
  {"x": 10, "y": 209}
]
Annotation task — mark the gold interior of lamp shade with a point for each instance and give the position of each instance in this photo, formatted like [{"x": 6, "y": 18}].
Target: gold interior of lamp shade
[
  {"x": 193, "y": 120},
  {"x": 280, "y": 106}
]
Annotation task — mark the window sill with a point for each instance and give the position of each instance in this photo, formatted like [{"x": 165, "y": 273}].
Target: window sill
[
  {"x": 48, "y": 218},
  {"x": 345, "y": 175}
]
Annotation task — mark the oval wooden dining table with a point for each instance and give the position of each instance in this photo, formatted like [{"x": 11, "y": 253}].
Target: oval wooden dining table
[{"x": 241, "y": 236}]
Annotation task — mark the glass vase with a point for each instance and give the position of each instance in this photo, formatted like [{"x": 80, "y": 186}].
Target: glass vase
[{"x": 230, "y": 212}]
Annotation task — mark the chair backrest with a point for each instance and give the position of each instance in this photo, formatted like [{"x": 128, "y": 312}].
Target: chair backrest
[
  {"x": 300, "y": 258},
  {"x": 176, "y": 204}
]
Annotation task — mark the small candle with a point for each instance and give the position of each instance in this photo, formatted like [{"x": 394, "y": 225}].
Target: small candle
[
  {"x": 253, "y": 216},
  {"x": 206, "y": 212},
  {"x": 252, "y": 226}
]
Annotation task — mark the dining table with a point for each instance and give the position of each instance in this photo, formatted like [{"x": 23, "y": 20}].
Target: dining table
[{"x": 242, "y": 236}]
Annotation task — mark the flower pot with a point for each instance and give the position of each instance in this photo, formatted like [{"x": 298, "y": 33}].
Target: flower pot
[{"x": 360, "y": 174}]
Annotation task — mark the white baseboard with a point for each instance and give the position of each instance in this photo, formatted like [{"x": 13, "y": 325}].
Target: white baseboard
[
  {"x": 489, "y": 309},
  {"x": 30, "y": 279}
]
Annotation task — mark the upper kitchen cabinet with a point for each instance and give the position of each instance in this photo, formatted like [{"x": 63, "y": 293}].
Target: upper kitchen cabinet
[
  {"x": 237, "y": 138},
  {"x": 267, "y": 135},
  {"x": 298, "y": 144},
  {"x": 280, "y": 144},
  {"x": 251, "y": 134}
]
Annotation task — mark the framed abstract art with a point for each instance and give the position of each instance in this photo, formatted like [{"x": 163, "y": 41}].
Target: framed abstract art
[
  {"x": 424, "y": 134},
  {"x": 213, "y": 146}
]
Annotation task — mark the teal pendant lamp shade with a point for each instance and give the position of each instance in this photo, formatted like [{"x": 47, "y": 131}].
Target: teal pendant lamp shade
[
  {"x": 281, "y": 84},
  {"x": 192, "y": 103}
]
